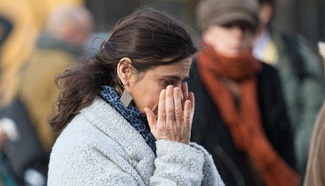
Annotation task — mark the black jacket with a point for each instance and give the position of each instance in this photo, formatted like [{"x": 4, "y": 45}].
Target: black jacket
[{"x": 209, "y": 129}]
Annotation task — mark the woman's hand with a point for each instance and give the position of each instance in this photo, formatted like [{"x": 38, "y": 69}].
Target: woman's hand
[{"x": 175, "y": 115}]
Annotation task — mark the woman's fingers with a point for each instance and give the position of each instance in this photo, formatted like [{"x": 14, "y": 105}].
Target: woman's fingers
[
  {"x": 178, "y": 106},
  {"x": 170, "y": 112},
  {"x": 189, "y": 107},
  {"x": 175, "y": 115},
  {"x": 161, "y": 106},
  {"x": 192, "y": 99},
  {"x": 185, "y": 91}
]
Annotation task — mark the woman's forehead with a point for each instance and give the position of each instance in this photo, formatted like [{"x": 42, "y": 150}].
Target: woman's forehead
[{"x": 179, "y": 69}]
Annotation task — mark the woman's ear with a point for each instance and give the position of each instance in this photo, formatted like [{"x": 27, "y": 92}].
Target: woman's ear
[{"x": 124, "y": 70}]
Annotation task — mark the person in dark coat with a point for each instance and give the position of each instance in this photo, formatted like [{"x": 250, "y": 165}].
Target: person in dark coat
[{"x": 242, "y": 120}]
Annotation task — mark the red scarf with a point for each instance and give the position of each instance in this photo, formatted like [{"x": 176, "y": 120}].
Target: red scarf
[{"x": 244, "y": 120}]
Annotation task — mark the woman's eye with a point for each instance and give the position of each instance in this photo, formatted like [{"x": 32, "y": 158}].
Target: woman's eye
[
  {"x": 172, "y": 82},
  {"x": 167, "y": 82}
]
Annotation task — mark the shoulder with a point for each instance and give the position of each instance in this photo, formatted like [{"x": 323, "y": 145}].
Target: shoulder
[
  {"x": 100, "y": 127},
  {"x": 79, "y": 150},
  {"x": 269, "y": 83},
  {"x": 84, "y": 130},
  {"x": 268, "y": 72},
  {"x": 266, "y": 68}
]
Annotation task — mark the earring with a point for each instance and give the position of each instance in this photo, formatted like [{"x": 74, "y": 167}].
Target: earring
[{"x": 126, "y": 98}]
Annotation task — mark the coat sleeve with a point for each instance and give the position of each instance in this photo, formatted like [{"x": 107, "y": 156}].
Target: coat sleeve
[{"x": 181, "y": 164}]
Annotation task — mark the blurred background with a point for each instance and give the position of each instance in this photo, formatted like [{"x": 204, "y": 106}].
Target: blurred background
[{"x": 305, "y": 17}]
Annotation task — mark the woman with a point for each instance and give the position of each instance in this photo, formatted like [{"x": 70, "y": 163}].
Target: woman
[
  {"x": 244, "y": 124},
  {"x": 126, "y": 115}
]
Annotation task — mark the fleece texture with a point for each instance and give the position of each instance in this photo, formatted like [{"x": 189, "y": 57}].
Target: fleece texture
[{"x": 99, "y": 147}]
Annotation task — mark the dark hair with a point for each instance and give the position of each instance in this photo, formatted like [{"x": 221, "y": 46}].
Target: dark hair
[{"x": 147, "y": 36}]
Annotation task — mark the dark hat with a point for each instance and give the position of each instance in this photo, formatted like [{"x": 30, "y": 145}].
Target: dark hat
[{"x": 209, "y": 12}]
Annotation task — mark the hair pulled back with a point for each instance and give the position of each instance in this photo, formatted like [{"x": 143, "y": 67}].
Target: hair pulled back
[{"x": 148, "y": 37}]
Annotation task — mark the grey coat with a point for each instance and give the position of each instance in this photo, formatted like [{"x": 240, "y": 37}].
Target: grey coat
[{"x": 99, "y": 147}]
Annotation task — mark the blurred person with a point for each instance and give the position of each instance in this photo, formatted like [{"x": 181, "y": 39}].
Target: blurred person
[
  {"x": 5, "y": 30},
  {"x": 27, "y": 19},
  {"x": 301, "y": 72},
  {"x": 7, "y": 131},
  {"x": 60, "y": 45},
  {"x": 315, "y": 172},
  {"x": 17, "y": 46},
  {"x": 66, "y": 31},
  {"x": 242, "y": 118},
  {"x": 125, "y": 116}
]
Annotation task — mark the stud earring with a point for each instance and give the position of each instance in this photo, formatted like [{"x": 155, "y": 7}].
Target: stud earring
[{"x": 126, "y": 98}]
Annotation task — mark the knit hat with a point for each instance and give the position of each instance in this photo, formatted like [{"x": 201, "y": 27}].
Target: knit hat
[{"x": 209, "y": 12}]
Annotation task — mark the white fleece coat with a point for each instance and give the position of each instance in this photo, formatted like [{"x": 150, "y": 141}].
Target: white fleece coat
[{"x": 99, "y": 147}]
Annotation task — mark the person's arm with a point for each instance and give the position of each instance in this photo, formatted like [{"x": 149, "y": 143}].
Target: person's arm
[{"x": 181, "y": 164}]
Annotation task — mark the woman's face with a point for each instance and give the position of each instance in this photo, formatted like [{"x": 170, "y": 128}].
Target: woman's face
[
  {"x": 145, "y": 88},
  {"x": 230, "y": 39}
]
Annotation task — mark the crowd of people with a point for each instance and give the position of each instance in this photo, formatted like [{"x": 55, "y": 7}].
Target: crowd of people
[{"x": 243, "y": 104}]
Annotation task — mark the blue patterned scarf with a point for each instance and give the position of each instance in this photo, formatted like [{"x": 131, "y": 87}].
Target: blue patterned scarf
[{"x": 130, "y": 113}]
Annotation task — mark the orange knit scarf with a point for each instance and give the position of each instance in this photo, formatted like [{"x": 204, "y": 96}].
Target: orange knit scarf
[{"x": 244, "y": 121}]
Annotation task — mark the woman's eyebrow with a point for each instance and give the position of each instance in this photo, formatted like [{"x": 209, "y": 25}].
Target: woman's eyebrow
[{"x": 175, "y": 77}]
